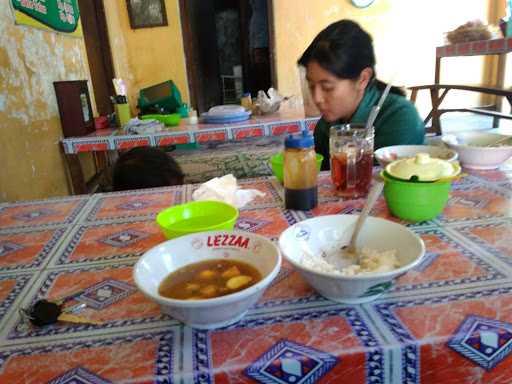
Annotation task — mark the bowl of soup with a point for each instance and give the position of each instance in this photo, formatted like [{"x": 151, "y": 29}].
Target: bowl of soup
[
  {"x": 386, "y": 251},
  {"x": 210, "y": 279}
]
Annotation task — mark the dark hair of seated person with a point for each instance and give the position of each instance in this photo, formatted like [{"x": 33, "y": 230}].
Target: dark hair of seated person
[{"x": 145, "y": 167}]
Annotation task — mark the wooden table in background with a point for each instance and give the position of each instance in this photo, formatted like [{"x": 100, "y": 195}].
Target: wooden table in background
[
  {"x": 111, "y": 140},
  {"x": 500, "y": 47}
]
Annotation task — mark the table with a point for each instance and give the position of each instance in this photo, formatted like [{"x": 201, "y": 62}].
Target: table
[
  {"x": 447, "y": 321},
  {"x": 288, "y": 121},
  {"x": 500, "y": 47}
]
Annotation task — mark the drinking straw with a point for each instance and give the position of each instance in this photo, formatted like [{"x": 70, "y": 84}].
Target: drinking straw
[{"x": 375, "y": 110}]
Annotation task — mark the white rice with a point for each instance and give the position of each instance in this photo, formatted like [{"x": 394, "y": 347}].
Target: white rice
[{"x": 371, "y": 261}]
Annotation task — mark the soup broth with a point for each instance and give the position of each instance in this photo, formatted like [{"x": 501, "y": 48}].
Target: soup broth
[{"x": 208, "y": 279}]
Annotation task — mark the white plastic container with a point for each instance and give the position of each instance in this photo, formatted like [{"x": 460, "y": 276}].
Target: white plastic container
[{"x": 192, "y": 116}]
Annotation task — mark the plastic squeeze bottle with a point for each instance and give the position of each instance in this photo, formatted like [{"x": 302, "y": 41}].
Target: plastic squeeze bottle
[
  {"x": 300, "y": 172},
  {"x": 246, "y": 101}
]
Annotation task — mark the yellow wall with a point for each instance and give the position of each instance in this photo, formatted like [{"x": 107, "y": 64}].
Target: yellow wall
[
  {"x": 30, "y": 61},
  {"x": 405, "y": 34},
  {"x": 146, "y": 56}
]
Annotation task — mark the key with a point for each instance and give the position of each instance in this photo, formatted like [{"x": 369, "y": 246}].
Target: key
[
  {"x": 45, "y": 312},
  {"x": 70, "y": 318},
  {"x": 64, "y": 299}
]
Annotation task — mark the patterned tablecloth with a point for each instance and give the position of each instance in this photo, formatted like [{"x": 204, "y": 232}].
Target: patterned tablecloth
[{"x": 447, "y": 321}]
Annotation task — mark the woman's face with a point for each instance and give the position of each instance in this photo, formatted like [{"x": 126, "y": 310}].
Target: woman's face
[{"x": 336, "y": 98}]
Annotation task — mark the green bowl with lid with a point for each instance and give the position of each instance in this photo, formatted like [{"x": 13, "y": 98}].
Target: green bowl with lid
[
  {"x": 413, "y": 201},
  {"x": 417, "y": 189}
]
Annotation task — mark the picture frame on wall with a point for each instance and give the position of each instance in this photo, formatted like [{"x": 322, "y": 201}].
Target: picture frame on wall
[{"x": 146, "y": 13}]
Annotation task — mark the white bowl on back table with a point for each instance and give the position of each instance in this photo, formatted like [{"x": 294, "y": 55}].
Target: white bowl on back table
[{"x": 476, "y": 150}]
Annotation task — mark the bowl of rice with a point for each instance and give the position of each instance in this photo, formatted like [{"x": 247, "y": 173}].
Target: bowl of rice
[
  {"x": 386, "y": 250},
  {"x": 480, "y": 150}
]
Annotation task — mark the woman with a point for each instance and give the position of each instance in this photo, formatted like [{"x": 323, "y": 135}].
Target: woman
[{"x": 340, "y": 70}]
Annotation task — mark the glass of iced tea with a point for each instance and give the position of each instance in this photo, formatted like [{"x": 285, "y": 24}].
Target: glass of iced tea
[{"x": 351, "y": 152}]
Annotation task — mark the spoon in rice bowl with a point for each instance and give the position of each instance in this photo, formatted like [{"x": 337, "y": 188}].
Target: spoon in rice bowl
[{"x": 350, "y": 250}]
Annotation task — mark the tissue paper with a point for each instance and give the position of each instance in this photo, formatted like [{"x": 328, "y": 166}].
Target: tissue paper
[{"x": 225, "y": 189}]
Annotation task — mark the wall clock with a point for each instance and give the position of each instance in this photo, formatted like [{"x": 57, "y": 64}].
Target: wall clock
[{"x": 362, "y": 3}]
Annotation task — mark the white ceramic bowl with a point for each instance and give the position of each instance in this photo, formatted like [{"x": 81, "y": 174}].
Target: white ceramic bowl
[
  {"x": 328, "y": 233},
  {"x": 474, "y": 151},
  {"x": 386, "y": 155},
  {"x": 160, "y": 261}
]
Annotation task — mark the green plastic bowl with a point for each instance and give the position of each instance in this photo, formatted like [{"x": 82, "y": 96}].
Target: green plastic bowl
[
  {"x": 172, "y": 119},
  {"x": 413, "y": 201},
  {"x": 276, "y": 163},
  {"x": 196, "y": 216}
]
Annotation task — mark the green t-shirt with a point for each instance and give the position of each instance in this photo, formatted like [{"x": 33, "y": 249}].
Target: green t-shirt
[{"x": 398, "y": 122}]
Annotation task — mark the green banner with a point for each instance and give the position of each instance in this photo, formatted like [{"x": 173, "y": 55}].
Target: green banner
[{"x": 58, "y": 15}]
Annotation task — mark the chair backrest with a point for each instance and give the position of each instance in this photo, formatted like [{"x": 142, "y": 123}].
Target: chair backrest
[{"x": 438, "y": 93}]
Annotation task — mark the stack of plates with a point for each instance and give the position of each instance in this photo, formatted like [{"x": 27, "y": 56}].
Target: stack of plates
[{"x": 224, "y": 114}]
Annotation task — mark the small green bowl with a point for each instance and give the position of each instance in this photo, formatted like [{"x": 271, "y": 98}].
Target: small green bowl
[
  {"x": 196, "y": 216},
  {"x": 172, "y": 119},
  {"x": 276, "y": 163},
  {"x": 415, "y": 201}
]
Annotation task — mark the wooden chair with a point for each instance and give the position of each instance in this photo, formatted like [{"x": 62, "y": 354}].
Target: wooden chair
[{"x": 439, "y": 91}]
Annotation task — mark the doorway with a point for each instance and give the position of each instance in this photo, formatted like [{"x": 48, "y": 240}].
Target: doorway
[
  {"x": 88, "y": 167},
  {"x": 99, "y": 56},
  {"x": 228, "y": 49}
]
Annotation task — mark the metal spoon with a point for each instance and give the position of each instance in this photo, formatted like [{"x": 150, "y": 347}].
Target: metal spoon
[{"x": 373, "y": 195}]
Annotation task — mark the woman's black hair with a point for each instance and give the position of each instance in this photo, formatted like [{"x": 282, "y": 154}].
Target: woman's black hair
[
  {"x": 344, "y": 49},
  {"x": 145, "y": 167}
]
